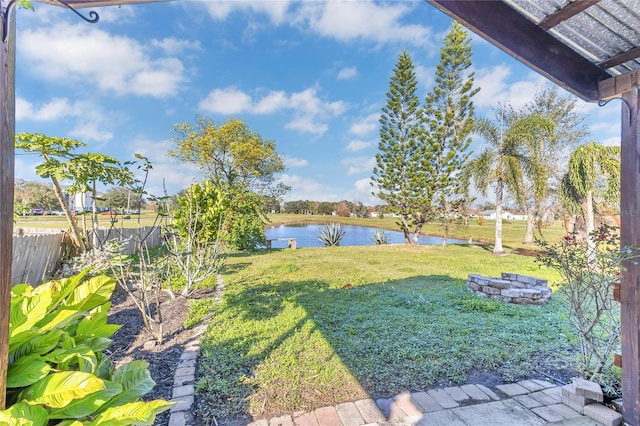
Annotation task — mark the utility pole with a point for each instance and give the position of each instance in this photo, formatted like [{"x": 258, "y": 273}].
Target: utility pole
[{"x": 7, "y": 164}]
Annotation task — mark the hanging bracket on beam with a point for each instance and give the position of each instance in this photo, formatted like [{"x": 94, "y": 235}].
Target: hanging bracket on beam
[
  {"x": 4, "y": 15},
  {"x": 94, "y": 15}
]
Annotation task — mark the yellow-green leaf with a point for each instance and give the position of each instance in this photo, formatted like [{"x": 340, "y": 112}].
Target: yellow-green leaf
[
  {"x": 27, "y": 371},
  {"x": 59, "y": 389},
  {"x": 88, "y": 405},
  {"x": 91, "y": 293},
  {"x": 139, "y": 413},
  {"x": 23, "y": 414}
]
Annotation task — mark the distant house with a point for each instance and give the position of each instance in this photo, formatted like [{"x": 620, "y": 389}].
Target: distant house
[
  {"x": 506, "y": 214},
  {"x": 80, "y": 201}
]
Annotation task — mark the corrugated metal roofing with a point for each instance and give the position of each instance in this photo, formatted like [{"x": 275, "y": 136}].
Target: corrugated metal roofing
[{"x": 600, "y": 32}]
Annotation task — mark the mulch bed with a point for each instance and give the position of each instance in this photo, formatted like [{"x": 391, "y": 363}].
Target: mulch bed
[{"x": 128, "y": 342}]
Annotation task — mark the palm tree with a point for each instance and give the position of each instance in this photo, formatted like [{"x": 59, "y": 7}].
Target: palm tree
[
  {"x": 592, "y": 167},
  {"x": 504, "y": 161}
]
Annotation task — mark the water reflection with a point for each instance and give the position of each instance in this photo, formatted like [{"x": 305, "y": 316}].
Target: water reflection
[{"x": 306, "y": 236}]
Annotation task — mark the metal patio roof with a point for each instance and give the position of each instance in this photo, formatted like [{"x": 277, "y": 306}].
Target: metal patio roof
[{"x": 577, "y": 44}]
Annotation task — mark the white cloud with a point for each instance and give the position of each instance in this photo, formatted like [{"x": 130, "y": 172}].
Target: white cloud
[
  {"x": 276, "y": 11},
  {"x": 164, "y": 171},
  {"x": 357, "y": 165},
  {"x": 341, "y": 20},
  {"x": 361, "y": 191},
  {"x": 307, "y": 189},
  {"x": 425, "y": 76},
  {"x": 90, "y": 120},
  {"x": 295, "y": 162},
  {"x": 116, "y": 14},
  {"x": 24, "y": 109},
  {"x": 114, "y": 64},
  {"x": 226, "y": 101},
  {"x": 362, "y": 20},
  {"x": 174, "y": 46},
  {"x": 493, "y": 83},
  {"x": 310, "y": 112},
  {"x": 347, "y": 73},
  {"x": 612, "y": 141},
  {"x": 496, "y": 87},
  {"x": 358, "y": 145},
  {"x": 364, "y": 126}
]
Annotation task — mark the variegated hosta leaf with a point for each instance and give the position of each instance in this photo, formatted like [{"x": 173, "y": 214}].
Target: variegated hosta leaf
[
  {"x": 59, "y": 389},
  {"x": 88, "y": 405},
  {"x": 27, "y": 371},
  {"x": 91, "y": 293},
  {"x": 138, "y": 413},
  {"x": 32, "y": 343},
  {"x": 23, "y": 414},
  {"x": 135, "y": 380}
]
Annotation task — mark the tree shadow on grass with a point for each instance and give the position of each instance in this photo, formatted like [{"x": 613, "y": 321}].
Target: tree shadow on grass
[{"x": 289, "y": 346}]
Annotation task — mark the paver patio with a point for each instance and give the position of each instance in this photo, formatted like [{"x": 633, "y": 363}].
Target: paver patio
[{"x": 526, "y": 403}]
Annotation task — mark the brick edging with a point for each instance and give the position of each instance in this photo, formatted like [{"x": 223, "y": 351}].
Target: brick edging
[{"x": 184, "y": 379}]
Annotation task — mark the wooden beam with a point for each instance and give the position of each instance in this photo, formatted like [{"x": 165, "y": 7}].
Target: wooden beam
[
  {"x": 78, "y": 4},
  {"x": 569, "y": 11},
  {"x": 530, "y": 44},
  {"x": 7, "y": 147},
  {"x": 630, "y": 236},
  {"x": 614, "y": 87},
  {"x": 620, "y": 58}
]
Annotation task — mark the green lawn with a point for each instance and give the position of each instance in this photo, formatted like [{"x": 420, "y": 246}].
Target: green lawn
[{"x": 300, "y": 329}]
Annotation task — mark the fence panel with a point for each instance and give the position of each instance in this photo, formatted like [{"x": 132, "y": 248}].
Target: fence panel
[
  {"x": 35, "y": 257},
  {"x": 150, "y": 234}
]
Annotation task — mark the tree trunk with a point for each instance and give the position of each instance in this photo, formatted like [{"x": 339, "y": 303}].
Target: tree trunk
[
  {"x": 94, "y": 218},
  {"x": 405, "y": 230},
  {"x": 497, "y": 248},
  {"x": 531, "y": 223},
  {"x": 590, "y": 225},
  {"x": 73, "y": 226}
]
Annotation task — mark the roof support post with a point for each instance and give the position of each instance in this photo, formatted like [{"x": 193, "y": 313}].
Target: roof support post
[
  {"x": 630, "y": 236},
  {"x": 7, "y": 163}
]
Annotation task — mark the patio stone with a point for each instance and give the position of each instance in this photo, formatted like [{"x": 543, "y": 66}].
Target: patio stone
[
  {"x": 475, "y": 393},
  {"x": 281, "y": 421},
  {"x": 306, "y": 419},
  {"x": 512, "y": 389},
  {"x": 442, "y": 398},
  {"x": 457, "y": 394},
  {"x": 370, "y": 411},
  {"x": 349, "y": 414},
  {"x": 531, "y": 385},
  {"x": 407, "y": 405},
  {"x": 328, "y": 416},
  {"x": 425, "y": 403}
]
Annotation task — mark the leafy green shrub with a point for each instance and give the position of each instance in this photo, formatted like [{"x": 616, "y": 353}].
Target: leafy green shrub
[
  {"x": 381, "y": 237},
  {"x": 58, "y": 373},
  {"x": 588, "y": 272},
  {"x": 331, "y": 234}
]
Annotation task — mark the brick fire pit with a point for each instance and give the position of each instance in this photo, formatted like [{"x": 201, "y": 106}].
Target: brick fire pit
[{"x": 511, "y": 288}]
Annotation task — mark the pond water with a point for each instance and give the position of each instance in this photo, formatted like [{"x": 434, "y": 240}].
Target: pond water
[{"x": 306, "y": 236}]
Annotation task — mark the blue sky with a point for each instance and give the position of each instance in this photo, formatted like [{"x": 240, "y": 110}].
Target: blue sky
[{"x": 312, "y": 76}]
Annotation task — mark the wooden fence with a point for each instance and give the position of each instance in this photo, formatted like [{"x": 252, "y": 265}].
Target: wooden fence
[{"x": 36, "y": 256}]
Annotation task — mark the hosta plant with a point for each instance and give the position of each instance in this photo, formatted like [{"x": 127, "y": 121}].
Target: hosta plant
[
  {"x": 58, "y": 373},
  {"x": 331, "y": 234}
]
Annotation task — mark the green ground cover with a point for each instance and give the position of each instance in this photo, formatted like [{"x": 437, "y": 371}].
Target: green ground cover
[{"x": 300, "y": 329}]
